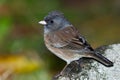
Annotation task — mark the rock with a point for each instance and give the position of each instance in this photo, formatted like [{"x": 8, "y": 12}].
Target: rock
[{"x": 92, "y": 70}]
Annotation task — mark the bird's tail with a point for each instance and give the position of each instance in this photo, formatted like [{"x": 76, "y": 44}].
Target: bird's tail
[{"x": 102, "y": 59}]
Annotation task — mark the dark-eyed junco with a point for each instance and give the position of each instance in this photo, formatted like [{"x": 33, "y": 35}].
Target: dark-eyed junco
[{"x": 65, "y": 41}]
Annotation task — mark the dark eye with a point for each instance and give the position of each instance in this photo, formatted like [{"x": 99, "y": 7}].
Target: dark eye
[{"x": 51, "y": 21}]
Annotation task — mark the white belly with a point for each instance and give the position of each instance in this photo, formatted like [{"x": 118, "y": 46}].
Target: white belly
[{"x": 64, "y": 55}]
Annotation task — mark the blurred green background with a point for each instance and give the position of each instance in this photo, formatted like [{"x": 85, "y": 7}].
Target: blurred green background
[{"x": 23, "y": 55}]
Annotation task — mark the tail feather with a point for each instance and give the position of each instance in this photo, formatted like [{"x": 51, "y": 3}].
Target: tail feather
[{"x": 102, "y": 59}]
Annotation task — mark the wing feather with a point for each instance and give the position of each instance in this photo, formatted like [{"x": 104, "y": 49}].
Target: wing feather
[{"x": 68, "y": 38}]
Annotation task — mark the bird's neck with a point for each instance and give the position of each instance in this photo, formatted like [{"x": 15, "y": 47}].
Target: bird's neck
[{"x": 57, "y": 29}]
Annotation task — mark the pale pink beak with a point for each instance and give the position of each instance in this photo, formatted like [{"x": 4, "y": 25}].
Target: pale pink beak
[{"x": 43, "y": 22}]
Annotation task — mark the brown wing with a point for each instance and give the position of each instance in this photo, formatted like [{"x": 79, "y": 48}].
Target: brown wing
[{"x": 68, "y": 38}]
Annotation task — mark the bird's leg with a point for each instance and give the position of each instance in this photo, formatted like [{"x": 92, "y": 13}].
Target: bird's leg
[
  {"x": 64, "y": 69},
  {"x": 70, "y": 68},
  {"x": 62, "y": 72},
  {"x": 73, "y": 68}
]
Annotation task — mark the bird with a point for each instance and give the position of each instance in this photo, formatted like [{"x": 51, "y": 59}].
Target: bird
[{"x": 66, "y": 42}]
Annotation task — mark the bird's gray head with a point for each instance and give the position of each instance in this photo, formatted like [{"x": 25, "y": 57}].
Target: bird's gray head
[{"x": 54, "y": 21}]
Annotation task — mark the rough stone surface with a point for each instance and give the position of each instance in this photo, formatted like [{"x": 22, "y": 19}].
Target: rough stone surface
[{"x": 96, "y": 71}]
